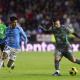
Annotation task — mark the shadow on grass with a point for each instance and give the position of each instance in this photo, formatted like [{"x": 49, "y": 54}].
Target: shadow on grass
[
  {"x": 27, "y": 75},
  {"x": 24, "y": 75}
]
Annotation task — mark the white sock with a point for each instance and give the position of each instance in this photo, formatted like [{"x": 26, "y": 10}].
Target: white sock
[
  {"x": 58, "y": 71},
  {"x": 1, "y": 63}
]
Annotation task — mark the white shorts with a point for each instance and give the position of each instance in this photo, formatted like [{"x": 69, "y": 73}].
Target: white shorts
[{"x": 11, "y": 52}]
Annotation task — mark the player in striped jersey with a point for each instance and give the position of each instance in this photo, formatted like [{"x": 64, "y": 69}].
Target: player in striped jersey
[{"x": 14, "y": 33}]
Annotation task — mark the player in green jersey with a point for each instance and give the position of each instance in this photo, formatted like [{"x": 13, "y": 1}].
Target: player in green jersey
[
  {"x": 2, "y": 40},
  {"x": 63, "y": 47}
]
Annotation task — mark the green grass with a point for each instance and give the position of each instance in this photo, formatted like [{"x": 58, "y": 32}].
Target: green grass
[{"x": 38, "y": 66}]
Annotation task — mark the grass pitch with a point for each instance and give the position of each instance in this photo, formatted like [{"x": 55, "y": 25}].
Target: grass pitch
[{"x": 38, "y": 66}]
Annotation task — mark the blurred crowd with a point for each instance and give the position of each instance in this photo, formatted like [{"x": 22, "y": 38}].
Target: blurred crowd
[{"x": 33, "y": 13}]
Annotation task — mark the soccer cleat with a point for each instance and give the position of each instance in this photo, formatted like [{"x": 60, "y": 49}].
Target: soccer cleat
[{"x": 56, "y": 74}]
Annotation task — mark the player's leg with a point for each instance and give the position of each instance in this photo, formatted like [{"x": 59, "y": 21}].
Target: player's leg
[
  {"x": 57, "y": 58},
  {"x": 6, "y": 53},
  {"x": 1, "y": 54},
  {"x": 69, "y": 55},
  {"x": 12, "y": 58},
  {"x": 1, "y": 61},
  {"x": 4, "y": 56},
  {"x": 10, "y": 64}
]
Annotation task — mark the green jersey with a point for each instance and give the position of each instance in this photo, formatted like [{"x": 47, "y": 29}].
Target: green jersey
[
  {"x": 61, "y": 37},
  {"x": 2, "y": 31}
]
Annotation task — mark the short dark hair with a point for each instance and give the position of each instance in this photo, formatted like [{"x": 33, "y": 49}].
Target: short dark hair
[{"x": 13, "y": 18}]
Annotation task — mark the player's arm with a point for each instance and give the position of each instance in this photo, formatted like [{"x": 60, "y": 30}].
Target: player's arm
[
  {"x": 48, "y": 28},
  {"x": 76, "y": 35},
  {"x": 5, "y": 27},
  {"x": 71, "y": 30},
  {"x": 23, "y": 34}
]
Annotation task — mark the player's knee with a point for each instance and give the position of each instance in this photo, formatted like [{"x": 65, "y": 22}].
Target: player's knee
[
  {"x": 5, "y": 55},
  {"x": 74, "y": 60},
  {"x": 9, "y": 63},
  {"x": 56, "y": 60}
]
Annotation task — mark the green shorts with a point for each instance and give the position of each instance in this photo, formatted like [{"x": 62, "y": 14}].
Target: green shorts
[{"x": 66, "y": 53}]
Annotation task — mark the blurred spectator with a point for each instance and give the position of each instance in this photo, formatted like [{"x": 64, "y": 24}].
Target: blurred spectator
[{"x": 31, "y": 12}]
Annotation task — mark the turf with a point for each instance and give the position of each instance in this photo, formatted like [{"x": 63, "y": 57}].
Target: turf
[{"x": 38, "y": 66}]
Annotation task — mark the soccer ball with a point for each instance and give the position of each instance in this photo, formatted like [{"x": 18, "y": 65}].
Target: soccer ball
[{"x": 73, "y": 71}]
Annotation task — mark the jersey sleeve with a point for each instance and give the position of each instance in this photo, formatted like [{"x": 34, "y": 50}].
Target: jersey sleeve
[
  {"x": 69, "y": 28},
  {"x": 23, "y": 34},
  {"x": 5, "y": 27}
]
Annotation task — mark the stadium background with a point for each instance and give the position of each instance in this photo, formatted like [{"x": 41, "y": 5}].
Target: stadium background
[
  {"x": 35, "y": 13},
  {"x": 32, "y": 13}
]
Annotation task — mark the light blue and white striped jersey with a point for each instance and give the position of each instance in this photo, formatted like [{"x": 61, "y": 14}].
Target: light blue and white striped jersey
[{"x": 14, "y": 37}]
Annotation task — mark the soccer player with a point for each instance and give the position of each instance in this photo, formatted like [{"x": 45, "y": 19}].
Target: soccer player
[
  {"x": 63, "y": 47},
  {"x": 14, "y": 36},
  {"x": 2, "y": 40}
]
